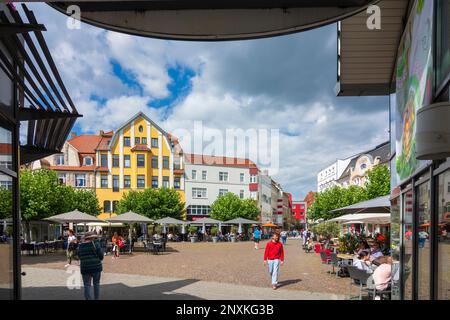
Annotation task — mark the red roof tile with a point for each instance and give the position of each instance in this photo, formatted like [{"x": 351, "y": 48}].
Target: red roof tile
[
  {"x": 140, "y": 147},
  {"x": 219, "y": 160},
  {"x": 85, "y": 143},
  {"x": 5, "y": 148},
  {"x": 73, "y": 168}
]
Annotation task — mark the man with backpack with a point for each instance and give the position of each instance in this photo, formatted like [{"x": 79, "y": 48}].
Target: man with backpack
[{"x": 91, "y": 256}]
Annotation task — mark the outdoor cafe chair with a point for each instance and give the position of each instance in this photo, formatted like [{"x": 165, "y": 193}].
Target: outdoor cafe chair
[
  {"x": 335, "y": 262},
  {"x": 357, "y": 277},
  {"x": 373, "y": 291},
  {"x": 325, "y": 259}
]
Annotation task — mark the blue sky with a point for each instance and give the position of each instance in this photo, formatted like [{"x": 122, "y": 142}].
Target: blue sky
[{"x": 284, "y": 83}]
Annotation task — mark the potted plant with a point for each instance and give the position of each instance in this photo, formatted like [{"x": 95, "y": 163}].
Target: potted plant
[
  {"x": 214, "y": 232},
  {"x": 193, "y": 233}
]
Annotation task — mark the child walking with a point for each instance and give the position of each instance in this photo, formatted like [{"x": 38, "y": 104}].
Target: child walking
[{"x": 274, "y": 256}]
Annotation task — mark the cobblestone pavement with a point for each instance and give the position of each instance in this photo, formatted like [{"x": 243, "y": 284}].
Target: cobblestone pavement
[{"x": 203, "y": 265}]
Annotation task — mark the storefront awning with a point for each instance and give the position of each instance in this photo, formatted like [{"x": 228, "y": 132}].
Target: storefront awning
[
  {"x": 43, "y": 100},
  {"x": 366, "y": 57},
  {"x": 377, "y": 205},
  {"x": 375, "y": 218}
]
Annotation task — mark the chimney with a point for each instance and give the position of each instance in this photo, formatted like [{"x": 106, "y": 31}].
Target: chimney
[{"x": 74, "y": 134}]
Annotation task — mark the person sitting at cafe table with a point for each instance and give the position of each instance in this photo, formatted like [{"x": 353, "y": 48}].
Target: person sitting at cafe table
[
  {"x": 362, "y": 261},
  {"x": 382, "y": 274},
  {"x": 363, "y": 247},
  {"x": 375, "y": 251}
]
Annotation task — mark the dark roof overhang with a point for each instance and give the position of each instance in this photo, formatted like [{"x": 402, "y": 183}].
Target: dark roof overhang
[
  {"x": 212, "y": 20},
  {"x": 43, "y": 100}
]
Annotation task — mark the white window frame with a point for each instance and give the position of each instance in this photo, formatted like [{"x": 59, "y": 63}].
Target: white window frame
[
  {"x": 77, "y": 177},
  {"x": 199, "y": 193},
  {"x": 194, "y": 175},
  {"x": 253, "y": 178},
  {"x": 204, "y": 175},
  {"x": 88, "y": 158},
  {"x": 62, "y": 178},
  {"x": 223, "y": 176},
  {"x": 241, "y": 194},
  {"x": 242, "y": 177},
  {"x": 223, "y": 192},
  {"x": 57, "y": 158}
]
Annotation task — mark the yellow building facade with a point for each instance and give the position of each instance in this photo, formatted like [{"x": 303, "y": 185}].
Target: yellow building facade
[{"x": 138, "y": 155}]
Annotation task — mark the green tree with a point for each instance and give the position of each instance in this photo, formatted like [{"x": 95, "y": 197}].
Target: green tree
[
  {"x": 153, "y": 203},
  {"x": 230, "y": 206},
  {"x": 86, "y": 201},
  {"x": 334, "y": 198},
  {"x": 5, "y": 203},
  {"x": 378, "y": 182},
  {"x": 327, "y": 228}
]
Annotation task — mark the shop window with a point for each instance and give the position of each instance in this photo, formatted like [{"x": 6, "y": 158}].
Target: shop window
[
  {"x": 423, "y": 237},
  {"x": 443, "y": 237},
  {"x": 442, "y": 42},
  {"x": 407, "y": 244},
  {"x": 395, "y": 247}
]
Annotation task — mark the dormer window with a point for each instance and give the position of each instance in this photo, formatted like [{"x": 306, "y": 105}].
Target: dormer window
[{"x": 88, "y": 161}]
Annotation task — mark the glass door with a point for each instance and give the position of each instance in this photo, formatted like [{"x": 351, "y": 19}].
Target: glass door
[
  {"x": 395, "y": 247},
  {"x": 408, "y": 244},
  {"x": 423, "y": 237},
  {"x": 443, "y": 236},
  {"x": 6, "y": 215}
]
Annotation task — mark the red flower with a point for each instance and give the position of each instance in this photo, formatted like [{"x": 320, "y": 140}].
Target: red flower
[{"x": 381, "y": 238}]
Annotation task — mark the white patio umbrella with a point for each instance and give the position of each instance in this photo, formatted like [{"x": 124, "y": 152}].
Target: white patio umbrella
[
  {"x": 74, "y": 216},
  {"x": 240, "y": 222},
  {"x": 169, "y": 220},
  {"x": 130, "y": 217}
]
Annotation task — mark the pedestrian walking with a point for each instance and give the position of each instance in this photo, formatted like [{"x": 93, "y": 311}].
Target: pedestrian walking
[
  {"x": 71, "y": 247},
  {"x": 117, "y": 243},
  {"x": 91, "y": 256},
  {"x": 284, "y": 237},
  {"x": 256, "y": 237},
  {"x": 274, "y": 257}
]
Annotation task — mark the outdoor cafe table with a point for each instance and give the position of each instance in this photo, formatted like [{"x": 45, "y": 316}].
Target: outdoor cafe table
[{"x": 345, "y": 256}]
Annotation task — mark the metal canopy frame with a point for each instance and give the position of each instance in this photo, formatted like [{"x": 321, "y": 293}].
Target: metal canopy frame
[{"x": 43, "y": 99}]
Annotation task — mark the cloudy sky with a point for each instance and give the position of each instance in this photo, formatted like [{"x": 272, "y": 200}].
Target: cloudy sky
[{"x": 284, "y": 83}]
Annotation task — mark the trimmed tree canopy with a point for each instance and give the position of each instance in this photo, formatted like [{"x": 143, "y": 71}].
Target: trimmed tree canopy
[
  {"x": 230, "y": 206},
  {"x": 153, "y": 203}
]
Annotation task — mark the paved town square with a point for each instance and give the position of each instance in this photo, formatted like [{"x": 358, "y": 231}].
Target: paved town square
[{"x": 192, "y": 271}]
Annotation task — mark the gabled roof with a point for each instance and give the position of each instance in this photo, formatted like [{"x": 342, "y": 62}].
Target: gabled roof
[
  {"x": 201, "y": 159},
  {"x": 382, "y": 151},
  {"x": 137, "y": 115},
  {"x": 85, "y": 143}
]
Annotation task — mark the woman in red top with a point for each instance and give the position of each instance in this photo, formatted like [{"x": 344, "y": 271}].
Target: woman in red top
[{"x": 274, "y": 256}]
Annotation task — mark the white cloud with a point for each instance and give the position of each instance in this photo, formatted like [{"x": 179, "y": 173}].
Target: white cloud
[{"x": 284, "y": 83}]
